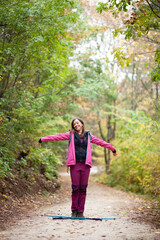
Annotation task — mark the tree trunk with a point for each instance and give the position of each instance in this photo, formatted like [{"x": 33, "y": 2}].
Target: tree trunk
[
  {"x": 133, "y": 88},
  {"x": 104, "y": 139},
  {"x": 108, "y": 162},
  {"x": 156, "y": 102},
  {"x": 114, "y": 124},
  {"x": 105, "y": 158},
  {"x": 157, "y": 95},
  {"x": 108, "y": 140},
  {"x": 107, "y": 154}
]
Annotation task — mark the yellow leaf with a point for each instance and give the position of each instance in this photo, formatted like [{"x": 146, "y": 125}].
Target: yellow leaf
[{"x": 4, "y": 196}]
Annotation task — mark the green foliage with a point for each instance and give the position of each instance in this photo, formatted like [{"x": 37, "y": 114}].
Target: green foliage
[
  {"x": 45, "y": 159},
  {"x": 36, "y": 41},
  {"x": 6, "y": 159},
  {"x": 121, "y": 57},
  {"x": 95, "y": 84},
  {"x": 141, "y": 22},
  {"x": 113, "y": 5},
  {"x": 143, "y": 16},
  {"x": 137, "y": 168},
  {"x": 155, "y": 74}
]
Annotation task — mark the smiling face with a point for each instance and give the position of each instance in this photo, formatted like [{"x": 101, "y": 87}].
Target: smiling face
[{"x": 78, "y": 126}]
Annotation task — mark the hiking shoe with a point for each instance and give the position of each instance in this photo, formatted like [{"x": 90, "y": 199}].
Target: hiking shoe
[
  {"x": 80, "y": 214},
  {"x": 74, "y": 213}
]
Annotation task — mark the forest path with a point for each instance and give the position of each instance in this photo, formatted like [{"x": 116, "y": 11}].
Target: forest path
[{"x": 102, "y": 201}]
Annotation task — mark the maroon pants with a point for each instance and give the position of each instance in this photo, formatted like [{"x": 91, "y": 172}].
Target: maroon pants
[{"x": 79, "y": 177}]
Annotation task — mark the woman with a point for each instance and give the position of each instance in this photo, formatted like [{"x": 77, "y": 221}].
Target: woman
[{"x": 79, "y": 160}]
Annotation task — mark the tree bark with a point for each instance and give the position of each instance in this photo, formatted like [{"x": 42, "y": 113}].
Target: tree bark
[
  {"x": 107, "y": 153},
  {"x": 104, "y": 139},
  {"x": 108, "y": 140},
  {"x": 157, "y": 100}
]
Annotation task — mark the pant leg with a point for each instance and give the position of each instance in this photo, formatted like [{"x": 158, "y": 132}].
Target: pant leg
[
  {"x": 84, "y": 176},
  {"x": 75, "y": 179}
]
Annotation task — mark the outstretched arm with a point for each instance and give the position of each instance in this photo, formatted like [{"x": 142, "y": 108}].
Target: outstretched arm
[
  {"x": 57, "y": 137},
  {"x": 102, "y": 143}
]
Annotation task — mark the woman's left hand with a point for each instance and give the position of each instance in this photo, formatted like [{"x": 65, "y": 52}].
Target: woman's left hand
[{"x": 115, "y": 154}]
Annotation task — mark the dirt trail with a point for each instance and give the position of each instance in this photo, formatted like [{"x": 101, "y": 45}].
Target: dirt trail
[{"x": 102, "y": 201}]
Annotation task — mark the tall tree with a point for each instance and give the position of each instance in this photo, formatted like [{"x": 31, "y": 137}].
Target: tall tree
[
  {"x": 139, "y": 23},
  {"x": 36, "y": 41}
]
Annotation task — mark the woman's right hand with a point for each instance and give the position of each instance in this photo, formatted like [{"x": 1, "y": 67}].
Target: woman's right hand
[{"x": 38, "y": 144}]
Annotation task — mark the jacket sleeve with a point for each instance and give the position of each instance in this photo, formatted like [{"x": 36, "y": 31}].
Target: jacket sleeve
[
  {"x": 57, "y": 137},
  {"x": 102, "y": 143}
]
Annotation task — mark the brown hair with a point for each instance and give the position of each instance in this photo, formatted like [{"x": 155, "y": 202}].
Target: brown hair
[{"x": 83, "y": 127}]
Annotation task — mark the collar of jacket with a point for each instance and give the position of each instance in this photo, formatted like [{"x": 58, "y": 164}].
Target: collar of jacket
[{"x": 71, "y": 158}]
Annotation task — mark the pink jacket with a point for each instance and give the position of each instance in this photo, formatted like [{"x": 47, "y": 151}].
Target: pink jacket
[{"x": 71, "y": 159}]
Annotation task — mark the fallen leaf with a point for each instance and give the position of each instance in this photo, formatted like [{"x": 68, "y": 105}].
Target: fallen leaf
[{"x": 4, "y": 196}]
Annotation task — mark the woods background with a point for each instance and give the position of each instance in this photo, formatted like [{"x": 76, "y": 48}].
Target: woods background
[{"x": 56, "y": 64}]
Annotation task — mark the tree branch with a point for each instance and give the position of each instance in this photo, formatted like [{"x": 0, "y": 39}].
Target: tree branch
[
  {"x": 66, "y": 86},
  {"x": 142, "y": 53},
  {"x": 147, "y": 90},
  {"x": 100, "y": 129},
  {"x": 152, "y": 9},
  {"x": 146, "y": 38},
  {"x": 154, "y": 4}
]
